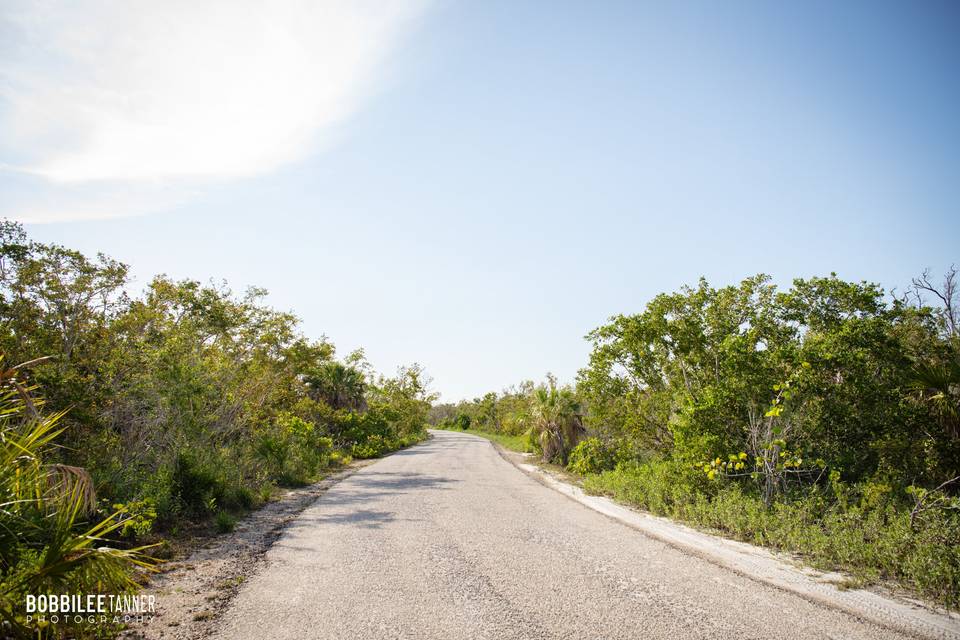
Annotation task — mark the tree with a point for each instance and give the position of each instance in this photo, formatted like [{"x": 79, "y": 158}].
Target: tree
[
  {"x": 684, "y": 377},
  {"x": 405, "y": 399},
  {"x": 935, "y": 374},
  {"x": 947, "y": 296},
  {"x": 557, "y": 421},
  {"x": 57, "y": 303},
  {"x": 339, "y": 385}
]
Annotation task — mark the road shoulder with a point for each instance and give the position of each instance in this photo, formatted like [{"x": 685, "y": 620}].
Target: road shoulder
[
  {"x": 193, "y": 592},
  {"x": 755, "y": 563}
]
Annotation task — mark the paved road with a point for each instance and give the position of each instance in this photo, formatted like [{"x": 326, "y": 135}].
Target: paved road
[{"x": 447, "y": 540}]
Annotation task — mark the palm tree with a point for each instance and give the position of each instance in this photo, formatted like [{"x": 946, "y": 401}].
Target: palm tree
[
  {"x": 938, "y": 384},
  {"x": 51, "y": 540},
  {"x": 557, "y": 421},
  {"x": 340, "y": 386}
]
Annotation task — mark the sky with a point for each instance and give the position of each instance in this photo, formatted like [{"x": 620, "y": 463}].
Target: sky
[{"x": 474, "y": 186}]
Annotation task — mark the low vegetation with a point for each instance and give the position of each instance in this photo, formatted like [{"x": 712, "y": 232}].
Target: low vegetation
[
  {"x": 130, "y": 419},
  {"x": 52, "y": 538},
  {"x": 823, "y": 419}
]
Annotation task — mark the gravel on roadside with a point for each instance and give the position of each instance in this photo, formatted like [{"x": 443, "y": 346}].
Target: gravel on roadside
[{"x": 192, "y": 592}]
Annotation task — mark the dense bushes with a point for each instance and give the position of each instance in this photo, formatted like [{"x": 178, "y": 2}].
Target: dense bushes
[
  {"x": 819, "y": 420},
  {"x": 187, "y": 404},
  {"x": 53, "y": 536},
  {"x": 292, "y": 450},
  {"x": 694, "y": 375},
  {"x": 822, "y": 419},
  {"x": 189, "y": 398},
  {"x": 591, "y": 456}
]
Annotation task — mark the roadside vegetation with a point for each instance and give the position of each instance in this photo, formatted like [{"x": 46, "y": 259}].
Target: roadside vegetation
[
  {"x": 822, "y": 420},
  {"x": 130, "y": 420}
]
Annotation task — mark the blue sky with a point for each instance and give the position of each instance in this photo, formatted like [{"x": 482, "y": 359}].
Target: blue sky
[{"x": 474, "y": 186}]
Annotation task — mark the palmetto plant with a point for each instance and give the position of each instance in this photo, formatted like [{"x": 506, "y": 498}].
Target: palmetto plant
[
  {"x": 50, "y": 541},
  {"x": 556, "y": 419},
  {"x": 938, "y": 384},
  {"x": 339, "y": 385}
]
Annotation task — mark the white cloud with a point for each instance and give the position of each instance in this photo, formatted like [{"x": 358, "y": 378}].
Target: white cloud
[
  {"x": 131, "y": 93},
  {"x": 96, "y": 201}
]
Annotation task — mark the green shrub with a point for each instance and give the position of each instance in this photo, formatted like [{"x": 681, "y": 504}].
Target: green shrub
[
  {"x": 138, "y": 516},
  {"x": 373, "y": 447},
  {"x": 291, "y": 450},
  {"x": 410, "y": 440},
  {"x": 52, "y": 539},
  {"x": 273, "y": 451},
  {"x": 591, "y": 455},
  {"x": 265, "y": 493},
  {"x": 240, "y": 498},
  {"x": 160, "y": 490},
  {"x": 225, "y": 522},
  {"x": 354, "y": 428},
  {"x": 339, "y": 458},
  {"x": 194, "y": 483},
  {"x": 532, "y": 441},
  {"x": 376, "y": 445}
]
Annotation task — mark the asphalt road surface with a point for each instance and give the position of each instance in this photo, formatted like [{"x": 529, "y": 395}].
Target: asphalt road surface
[{"x": 448, "y": 540}]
